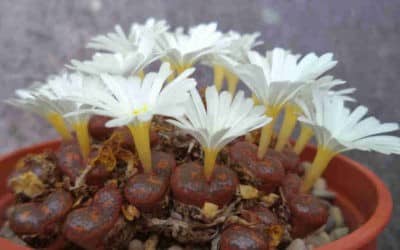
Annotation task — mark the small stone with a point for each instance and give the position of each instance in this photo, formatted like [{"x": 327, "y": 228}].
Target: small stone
[
  {"x": 209, "y": 210},
  {"x": 175, "y": 247},
  {"x": 318, "y": 239},
  {"x": 320, "y": 184},
  {"x": 330, "y": 224},
  {"x": 248, "y": 192},
  {"x": 297, "y": 244},
  {"x": 337, "y": 215},
  {"x": 136, "y": 245},
  {"x": 324, "y": 194},
  {"x": 339, "y": 233},
  {"x": 130, "y": 212},
  {"x": 270, "y": 199},
  {"x": 151, "y": 242},
  {"x": 27, "y": 183},
  {"x": 306, "y": 165}
]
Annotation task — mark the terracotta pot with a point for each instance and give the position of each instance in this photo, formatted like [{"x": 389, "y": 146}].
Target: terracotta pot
[{"x": 364, "y": 199}]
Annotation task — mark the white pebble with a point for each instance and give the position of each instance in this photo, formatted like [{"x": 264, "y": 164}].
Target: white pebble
[
  {"x": 297, "y": 244},
  {"x": 136, "y": 245},
  {"x": 318, "y": 239},
  {"x": 323, "y": 194},
  {"x": 339, "y": 233},
  {"x": 320, "y": 184},
  {"x": 337, "y": 215},
  {"x": 175, "y": 247}
]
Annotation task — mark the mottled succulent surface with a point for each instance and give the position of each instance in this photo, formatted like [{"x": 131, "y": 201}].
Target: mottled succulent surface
[{"x": 38, "y": 37}]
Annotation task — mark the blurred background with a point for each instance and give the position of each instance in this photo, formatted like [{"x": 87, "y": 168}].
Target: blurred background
[{"x": 38, "y": 37}]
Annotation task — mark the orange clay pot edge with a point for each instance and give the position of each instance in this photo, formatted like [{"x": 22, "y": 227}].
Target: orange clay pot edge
[
  {"x": 370, "y": 230},
  {"x": 364, "y": 236}
]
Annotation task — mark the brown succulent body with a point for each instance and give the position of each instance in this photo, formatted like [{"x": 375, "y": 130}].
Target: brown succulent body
[
  {"x": 267, "y": 174},
  {"x": 289, "y": 159},
  {"x": 260, "y": 215},
  {"x": 243, "y": 153},
  {"x": 87, "y": 226},
  {"x": 41, "y": 218},
  {"x": 291, "y": 185},
  {"x": 163, "y": 163},
  {"x": 190, "y": 186},
  {"x": 97, "y": 127},
  {"x": 308, "y": 214},
  {"x": 70, "y": 161},
  {"x": 146, "y": 191},
  {"x": 238, "y": 237}
]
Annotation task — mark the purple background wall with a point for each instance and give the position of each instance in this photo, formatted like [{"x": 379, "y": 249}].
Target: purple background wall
[{"x": 38, "y": 37}]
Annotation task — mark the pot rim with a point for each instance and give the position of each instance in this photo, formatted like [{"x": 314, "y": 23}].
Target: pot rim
[{"x": 369, "y": 230}]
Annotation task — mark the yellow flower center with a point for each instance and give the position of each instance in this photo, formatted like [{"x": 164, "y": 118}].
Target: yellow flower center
[{"x": 141, "y": 110}]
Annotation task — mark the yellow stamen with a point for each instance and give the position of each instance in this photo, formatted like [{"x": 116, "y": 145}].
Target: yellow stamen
[
  {"x": 141, "y": 110},
  {"x": 141, "y": 74},
  {"x": 288, "y": 125},
  {"x": 321, "y": 161},
  {"x": 82, "y": 134},
  {"x": 306, "y": 133},
  {"x": 267, "y": 131},
  {"x": 232, "y": 80},
  {"x": 255, "y": 100},
  {"x": 210, "y": 156},
  {"x": 181, "y": 68},
  {"x": 141, "y": 137},
  {"x": 219, "y": 74},
  {"x": 57, "y": 121}
]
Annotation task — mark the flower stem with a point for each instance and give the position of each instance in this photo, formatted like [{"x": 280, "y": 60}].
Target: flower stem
[
  {"x": 288, "y": 125},
  {"x": 219, "y": 74},
  {"x": 255, "y": 100},
  {"x": 141, "y": 74},
  {"x": 306, "y": 133},
  {"x": 180, "y": 68},
  {"x": 232, "y": 80},
  {"x": 141, "y": 137},
  {"x": 267, "y": 131},
  {"x": 321, "y": 161},
  {"x": 210, "y": 156},
  {"x": 57, "y": 121},
  {"x": 171, "y": 77},
  {"x": 82, "y": 134},
  {"x": 265, "y": 139}
]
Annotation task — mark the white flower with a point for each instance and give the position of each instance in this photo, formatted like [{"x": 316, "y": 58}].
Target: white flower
[
  {"x": 339, "y": 129},
  {"x": 236, "y": 52},
  {"x": 183, "y": 50},
  {"x": 223, "y": 120},
  {"x": 132, "y": 100},
  {"x": 277, "y": 77},
  {"x": 51, "y": 97},
  {"x": 119, "y": 42},
  {"x": 130, "y": 63},
  {"x": 29, "y": 100},
  {"x": 60, "y": 88},
  {"x": 129, "y": 53},
  {"x": 324, "y": 85},
  {"x": 50, "y": 100}
]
